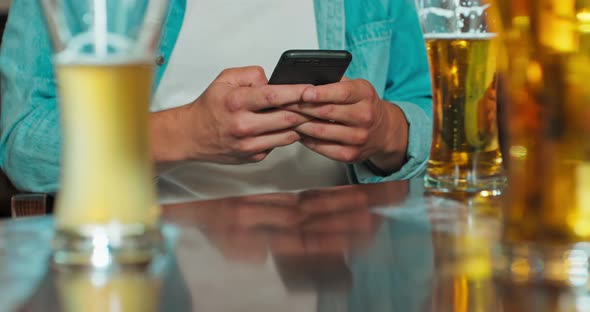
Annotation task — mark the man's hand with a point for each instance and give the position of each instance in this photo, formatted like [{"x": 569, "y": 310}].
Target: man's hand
[
  {"x": 228, "y": 123},
  {"x": 352, "y": 124}
]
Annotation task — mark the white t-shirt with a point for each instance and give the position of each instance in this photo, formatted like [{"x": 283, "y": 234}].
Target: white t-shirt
[{"x": 220, "y": 34}]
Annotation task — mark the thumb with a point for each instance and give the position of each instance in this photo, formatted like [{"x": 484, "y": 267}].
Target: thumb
[{"x": 250, "y": 76}]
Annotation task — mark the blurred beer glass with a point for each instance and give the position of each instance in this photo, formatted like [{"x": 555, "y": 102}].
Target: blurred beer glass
[
  {"x": 103, "y": 53},
  {"x": 547, "y": 215},
  {"x": 465, "y": 154}
]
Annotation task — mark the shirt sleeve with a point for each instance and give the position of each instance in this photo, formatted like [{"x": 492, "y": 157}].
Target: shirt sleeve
[
  {"x": 409, "y": 87},
  {"x": 30, "y": 140}
]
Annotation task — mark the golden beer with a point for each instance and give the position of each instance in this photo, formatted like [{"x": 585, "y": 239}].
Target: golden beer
[
  {"x": 465, "y": 154},
  {"x": 549, "y": 51},
  {"x": 548, "y": 206},
  {"x": 107, "y": 177}
]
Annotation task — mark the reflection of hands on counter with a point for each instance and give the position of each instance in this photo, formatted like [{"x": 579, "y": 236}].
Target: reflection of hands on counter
[
  {"x": 277, "y": 252},
  {"x": 315, "y": 222}
]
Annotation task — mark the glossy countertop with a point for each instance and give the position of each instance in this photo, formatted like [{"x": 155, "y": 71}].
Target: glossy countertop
[{"x": 381, "y": 247}]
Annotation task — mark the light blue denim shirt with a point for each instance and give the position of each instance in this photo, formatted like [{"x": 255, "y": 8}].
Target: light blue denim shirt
[{"x": 383, "y": 35}]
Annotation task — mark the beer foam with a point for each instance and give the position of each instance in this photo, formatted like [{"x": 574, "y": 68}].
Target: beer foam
[
  {"x": 460, "y": 36},
  {"x": 458, "y": 11}
]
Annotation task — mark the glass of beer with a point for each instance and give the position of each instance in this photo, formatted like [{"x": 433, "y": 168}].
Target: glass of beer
[
  {"x": 547, "y": 212},
  {"x": 465, "y": 154},
  {"x": 106, "y": 210}
]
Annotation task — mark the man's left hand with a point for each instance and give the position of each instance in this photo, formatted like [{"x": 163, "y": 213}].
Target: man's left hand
[{"x": 352, "y": 124}]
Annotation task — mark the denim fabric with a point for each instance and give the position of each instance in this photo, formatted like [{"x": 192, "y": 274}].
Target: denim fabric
[
  {"x": 386, "y": 42},
  {"x": 383, "y": 35}
]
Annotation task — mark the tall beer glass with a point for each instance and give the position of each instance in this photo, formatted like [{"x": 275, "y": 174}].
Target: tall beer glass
[
  {"x": 547, "y": 215},
  {"x": 103, "y": 50},
  {"x": 465, "y": 154}
]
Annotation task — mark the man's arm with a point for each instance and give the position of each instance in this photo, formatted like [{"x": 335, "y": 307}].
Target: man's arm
[
  {"x": 408, "y": 87},
  {"x": 225, "y": 125},
  {"x": 30, "y": 139}
]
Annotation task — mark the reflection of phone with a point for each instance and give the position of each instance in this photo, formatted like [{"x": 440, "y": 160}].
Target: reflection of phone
[{"x": 316, "y": 67}]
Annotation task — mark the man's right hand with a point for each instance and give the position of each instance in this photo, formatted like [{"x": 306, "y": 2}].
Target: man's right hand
[{"x": 230, "y": 122}]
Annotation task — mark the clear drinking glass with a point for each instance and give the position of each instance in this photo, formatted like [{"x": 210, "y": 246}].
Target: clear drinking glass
[
  {"x": 106, "y": 208},
  {"x": 465, "y": 154}
]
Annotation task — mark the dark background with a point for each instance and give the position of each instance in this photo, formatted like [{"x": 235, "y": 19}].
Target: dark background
[{"x": 3, "y": 17}]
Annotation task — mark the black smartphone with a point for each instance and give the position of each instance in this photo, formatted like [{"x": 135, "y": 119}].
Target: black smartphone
[{"x": 316, "y": 67}]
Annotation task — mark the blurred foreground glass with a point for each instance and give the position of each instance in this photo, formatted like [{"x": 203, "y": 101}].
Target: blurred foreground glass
[
  {"x": 465, "y": 154},
  {"x": 547, "y": 215},
  {"x": 103, "y": 55}
]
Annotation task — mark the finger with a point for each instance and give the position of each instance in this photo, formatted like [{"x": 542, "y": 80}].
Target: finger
[
  {"x": 250, "y": 76},
  {"x": 348, "y": 114},
  {"x": 325, "y": 244},
  {"x": 258, "y": 157},
  {"x": 244, "y": 246},
  {"x": 283, "y": 200},
  {"x": 253, "y": 124},
  {"x": 262, "y": 143},
  {"x": 348, "y": 222},
  {"x": 334, "y": 132},
  {"x": 334, "y": 151},
  {"x": 265, "y": 97},
  {"x": 344, "y": 92},
  {"x": 251, "y": 216},
  {"x": 333, "y": 201},
  {"x": 287, "y": 243}
]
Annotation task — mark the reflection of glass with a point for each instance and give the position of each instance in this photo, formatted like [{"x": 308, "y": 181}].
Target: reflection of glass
[
  {"x": 106, "y": 207},
  {"x": 463, "y": 240},
  {"x": 465, "y": 154},
  {"x": 547, "y": 231},
  {"x": 157, "y": 286},
  {"x": 540, "y": 298},
  {"x": 125, "y": 290}
]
